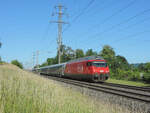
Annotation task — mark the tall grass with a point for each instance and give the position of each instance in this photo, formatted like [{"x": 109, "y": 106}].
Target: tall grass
[
  {"x": 24, "y": 92},
  {"x": 125, "y": 82}
]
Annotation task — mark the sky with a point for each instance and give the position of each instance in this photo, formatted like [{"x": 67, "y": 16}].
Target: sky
[{"x": 25, "y": 28}]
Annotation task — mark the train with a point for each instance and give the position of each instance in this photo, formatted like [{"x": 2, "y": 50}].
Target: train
[{"x": 91, "y": 68}]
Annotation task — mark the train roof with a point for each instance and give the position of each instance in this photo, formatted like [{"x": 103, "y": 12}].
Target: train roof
[
  {"x": 55, "y": 65},
  {"x": 87, "y": 58},
  {"x": 75, "y": 60}
]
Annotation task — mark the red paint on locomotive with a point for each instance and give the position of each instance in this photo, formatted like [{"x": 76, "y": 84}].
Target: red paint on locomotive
[{"x": 96, "y": 70}]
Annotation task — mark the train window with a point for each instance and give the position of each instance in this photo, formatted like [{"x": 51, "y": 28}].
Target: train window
[
  {"x": 89, "y": 63},
  {"x": 99, "y": 64}
]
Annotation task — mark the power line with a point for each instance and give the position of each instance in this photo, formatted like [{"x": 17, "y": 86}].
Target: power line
[
  {"x": 104, "y": 7},
  {"x": 123, "y": 22},
  {"x": 109, "y": 17},
  {"x": 114, "y": 26},
  {"x": 83, "y": 11},
  {"x": 135, "y": 34},
  {"x": 135, "y": 24},
  {"x": 114, "y": 14},
  {"x": 80, "y": 14},
  {"x": 46, "y": 32},
  {"x": 131, "y": 36},
  {"x": 48, "y": 27}
]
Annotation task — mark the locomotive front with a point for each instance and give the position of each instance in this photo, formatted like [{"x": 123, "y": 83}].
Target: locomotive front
[{"x": 99, "y": 70}]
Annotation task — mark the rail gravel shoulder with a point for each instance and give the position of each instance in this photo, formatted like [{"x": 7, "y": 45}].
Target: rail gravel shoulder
[{"x": 121, "y": 90}]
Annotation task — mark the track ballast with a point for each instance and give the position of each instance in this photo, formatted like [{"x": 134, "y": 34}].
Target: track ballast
[{"x": 132, "y": 92}]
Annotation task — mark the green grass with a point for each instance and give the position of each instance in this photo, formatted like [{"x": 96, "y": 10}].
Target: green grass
[
  {"x": 125, "y": 82},
  {"x": 24, "y": 92}
]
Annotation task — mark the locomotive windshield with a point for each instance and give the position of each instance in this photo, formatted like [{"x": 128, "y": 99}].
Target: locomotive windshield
[{"x": 99, "y": 64}]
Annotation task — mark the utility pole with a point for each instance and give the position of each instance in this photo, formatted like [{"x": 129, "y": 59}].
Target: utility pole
[
  {"x": 37, "y": 59},
  {"x": 33, "y": 59},
  {"x": 60, "y": 12},
  {"x": 0, "y": 43}
]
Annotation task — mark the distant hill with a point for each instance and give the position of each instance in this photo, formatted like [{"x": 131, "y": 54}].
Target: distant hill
[{"x": 137, "y": 64}]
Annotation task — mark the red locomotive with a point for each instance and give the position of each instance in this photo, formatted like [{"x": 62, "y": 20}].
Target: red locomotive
[{"x": 88, "y": 68}]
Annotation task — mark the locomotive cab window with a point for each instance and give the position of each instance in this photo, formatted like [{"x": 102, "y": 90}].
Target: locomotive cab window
[
  {"x": 89, "y": 63},
  {"x": 99, "y": 64}
]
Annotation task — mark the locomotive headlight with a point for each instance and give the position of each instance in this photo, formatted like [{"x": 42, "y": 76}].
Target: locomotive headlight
[
  {"x": 107, "y": 71},
  {"x": 101, "y": 71}
]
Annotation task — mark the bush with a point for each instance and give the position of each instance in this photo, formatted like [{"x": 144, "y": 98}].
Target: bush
[
  {"x": 125, "y": 75},
  {"x": 17, "y": 63},
  {"x": 146, "y": 77},
  {"x": 1, "y": 62}
]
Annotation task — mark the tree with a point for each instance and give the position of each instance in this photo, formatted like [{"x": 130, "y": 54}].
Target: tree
[
  {"x": 121, "y": 62},
  {"x": 147, "y": 67},
  {"x": 141, "y": 67},
  {"x": 44, "y": 64},
  {"x": 1, "y": 62},
  {"x": 51, "y": 61},
  {"x": 67, "y": 53},
  {"x": 90, "y": 52},
  {"x": 17, "y": 63},
  {"x": 79, "y": 53},
  {"x": 108, "y": 52},
  {"x": 109, "y": 55}
]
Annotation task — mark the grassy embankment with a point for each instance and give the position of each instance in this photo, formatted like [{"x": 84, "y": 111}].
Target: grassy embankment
[
  {"x": 24, "y": 92},
  {"x": 132, "y": 83}
]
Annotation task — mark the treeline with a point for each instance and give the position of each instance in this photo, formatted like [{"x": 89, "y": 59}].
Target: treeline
[
  {"x": 119, "y": 66},
  {"x": 17, "y": 63},
  {"x": 14, "y": 62},
  {"x": 1, "y": 62}
]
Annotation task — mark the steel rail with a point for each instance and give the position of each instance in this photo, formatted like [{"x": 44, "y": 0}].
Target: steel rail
[
  {"x": 145, "y": 89},
  {"x": 110, "y": 90}
]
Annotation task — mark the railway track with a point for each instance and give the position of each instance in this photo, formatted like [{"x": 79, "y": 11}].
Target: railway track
[
  {"x": 132, "y": 92},
  {"x": 145, "y": 89}
]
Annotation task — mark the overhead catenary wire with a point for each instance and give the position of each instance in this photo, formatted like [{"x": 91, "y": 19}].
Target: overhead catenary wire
[
  {"x": 135, "y": 24},
  {"x": 46, "y": 32},
  {"x": 135, "y": 34},
  {"x": 121, "y": 23},
  {"x": 83, "y": 11},
  {"x": 80, "y": 14},
  {"x": 102, "y": 3},
  {"x": 131, "y": 36},
  {"x": 49, "y": 25},
  {"x": 49, "y": 28},
  {"x": 114, "y": 14}
]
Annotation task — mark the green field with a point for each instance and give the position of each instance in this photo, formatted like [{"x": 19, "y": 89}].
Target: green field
[
  {"x": 124, "y": 82},
  {"x": 24, "y": 92}
]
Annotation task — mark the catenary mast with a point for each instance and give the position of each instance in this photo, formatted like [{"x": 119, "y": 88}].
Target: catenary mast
[{"x": 60, "y": 12}]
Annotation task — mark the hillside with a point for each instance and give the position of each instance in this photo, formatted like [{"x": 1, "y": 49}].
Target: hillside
[{"x": 24, "y": 92}]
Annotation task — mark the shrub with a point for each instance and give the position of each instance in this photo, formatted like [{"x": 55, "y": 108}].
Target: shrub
[
  {"x": 125, "y": 75},
  {"x": 146, "y": 77},
  {"x": 17, "y": 63}
]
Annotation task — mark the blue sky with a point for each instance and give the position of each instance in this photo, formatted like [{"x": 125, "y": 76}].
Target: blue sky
[{"x": 123, "y": 24}]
